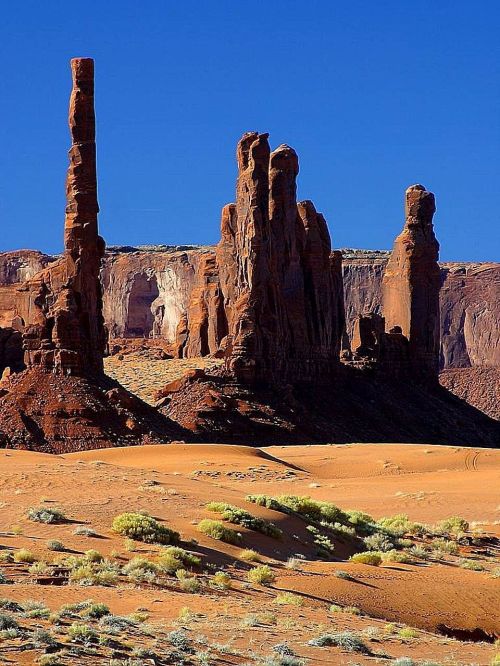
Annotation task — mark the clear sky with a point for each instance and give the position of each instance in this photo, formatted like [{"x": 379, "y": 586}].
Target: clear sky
[{"x": 373, "y": 94}]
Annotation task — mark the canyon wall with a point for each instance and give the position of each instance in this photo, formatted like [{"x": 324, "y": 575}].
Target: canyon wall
[{"x": 147, "y": 292}]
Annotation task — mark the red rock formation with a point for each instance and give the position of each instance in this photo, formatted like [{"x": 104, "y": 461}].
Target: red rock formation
[
  {"x": 62, "y": 305},
  {"x": 59, "y": 311},
  {"x": 411, "y": 284},
  {"x": 280, "y": 296}
]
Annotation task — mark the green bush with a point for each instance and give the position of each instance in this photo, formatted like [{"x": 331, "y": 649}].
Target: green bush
[
  {"x": 445, "y": 546},
  {"x": 96, "y": 611},
  {"x": 221, "y": 580},
  {"x": 56, "y": 546},
  {"x": 174, "y": 554},
  {"x": 370, "y": 557},
  {"x": 46, "y": 515},
  {"x": 143, "y": 528},
  {"x": 7, "y": 622},
  {"x": 378, "y": 542},
  {"x": 262, "y": 575},
  {"x": 234, "y": 514},
  {"x": 397, "y": 556},
  {"x": 399, "y": 525},
  {"x": 82, "y": 633},
  {"x": 217, "y": 530},
  {"x": 453, "y": 525}
]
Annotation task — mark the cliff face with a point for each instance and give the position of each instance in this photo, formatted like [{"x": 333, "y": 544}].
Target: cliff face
[{"x": 147, "y": 292}]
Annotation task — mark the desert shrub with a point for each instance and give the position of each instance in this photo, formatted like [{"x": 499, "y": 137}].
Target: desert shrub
[
  {"x": 234, "y": 514},
  {"x": 84, "y": 572},
  {"x": 217, "y": 530},
  {"x": 10, "y": 605},
  {"x": 35, "y": 609},
  {"x": 362, "y": 521},
  {"x": 325, "y": 546},
  {"x": 259, "y": 619},
  {"x": 399, "y": 525},
  {"x": 42, "y": 638},
  {"x": 82, "y": 633},
  {"x": 7, "y": 622},
  {"x": 173, "y": 558},
  {"x": 352, "y": 610},
  {"x": 495, "y": 573},
  {"x": 55, "y": 545},
  {"x": 115, "y": 624},
  {"x": 472, "y": 565},
  {"x": 3, "y": 579},
  {"x": 139, "y": 564},
  {"x": 419, "y": 552},
  {"x": 265, "y": 500},
  {"x": 93, "y": 556},
  {"x": 453, "y": 525},
  {"x": 396, "y": 556},
  {"x": 6, "y": 556},
  {"x": 344, "y": 575},
  {"x": 445, "y": 546},
  {"x": 96, "y": 611},
  {"x": 403, "y": 661},
  {"x": 407, "y": 633},
  {"x": 143, "y": 528},
  {"x": 221, "y": 580},
  {"x": 39, "y": 568},
  {"x": 180, "y": 640},
  {"x": 378, "y": 541},
  {"x": 81, "y": 530},
  {"x": 43, "y": 514},
  {"x": 262, "y": 575},
  {"x": 187, "y": 582},
  {"x": 346, "y": 640},
  {"x": 24, "y": 555},
  {"x": 249, "y": 555},
  {"x": 370, "y": 557},
  {"x": 495, "y": 660},
  {"x": 289, "y": 599}
]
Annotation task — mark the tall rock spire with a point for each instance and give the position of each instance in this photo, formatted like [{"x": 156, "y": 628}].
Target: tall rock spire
[
  {"x": 411, "y": 284},
  {"x": 67, "y": 330}
]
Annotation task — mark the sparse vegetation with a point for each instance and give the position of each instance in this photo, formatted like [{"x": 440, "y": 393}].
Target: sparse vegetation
[
  {"x": 249, "y": 555},
  {"x": 48, "y": 515},
  {"x": 399, "y": 525},
  {"x": 82, "y": 633},
  {"x": 55, "y": 545},
  {"x": 378, "y": 542},
  {"x": 407, "y": 633},
  {"x": 81, "y": 530},
  {"x": 370, "y": 557},
  {"x": 453, "y": 525},
  {"x": 234, "y": 514},
  {"x": 346, "y": 640},
  {"x": 143, "y": 528},
  {"x": 217, "y": 530},
  {"x": 221, "y": 580},
  {"x": 289, "y": 599},
  {"x": 262, "y": 575},
  {"x": 24, "y": 555},
  {"x": 472, "y": 565}
]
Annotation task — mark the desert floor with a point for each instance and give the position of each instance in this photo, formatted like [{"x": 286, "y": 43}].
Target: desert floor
[{"x": 240, "y": 625}]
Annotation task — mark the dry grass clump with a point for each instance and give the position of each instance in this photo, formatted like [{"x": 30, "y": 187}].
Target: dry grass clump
[
  {"x": 143, "y": 528},
  {"x": 221, "y": 581},
  {"x": 24, "y": 555},
  {"x": 289, "y": 599},
  {"x": 249, "y": 555},
  {"x": 217, "y": 530}
]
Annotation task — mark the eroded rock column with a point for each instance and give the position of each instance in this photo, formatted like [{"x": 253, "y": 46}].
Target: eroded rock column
[{"x": 411, "y": 284}]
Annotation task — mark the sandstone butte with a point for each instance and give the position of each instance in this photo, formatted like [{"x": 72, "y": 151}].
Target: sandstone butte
[
  {"x": 270, "y": 300},
  {"x": 60, "y": 402}
]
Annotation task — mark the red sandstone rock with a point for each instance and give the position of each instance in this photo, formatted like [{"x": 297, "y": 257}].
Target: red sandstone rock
[
  {"x": 62, "y": 306},
  {"x": 411, "y": 284},
  {"x": 281, "y": 297}
]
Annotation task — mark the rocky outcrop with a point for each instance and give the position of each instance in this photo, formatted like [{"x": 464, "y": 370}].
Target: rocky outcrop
[
  {"x": 278, "y": 283},
  {"x": 20, "y": 265},
  {"x": 411, "y": 284}
]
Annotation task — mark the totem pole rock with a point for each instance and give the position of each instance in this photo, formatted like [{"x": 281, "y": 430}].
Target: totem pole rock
[
  {"x": 411, "y": 284},
  {"x": 66, "y": 333}
]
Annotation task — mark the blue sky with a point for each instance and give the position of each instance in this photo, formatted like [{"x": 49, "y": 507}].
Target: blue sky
[{"x": 373, "y": 95}]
